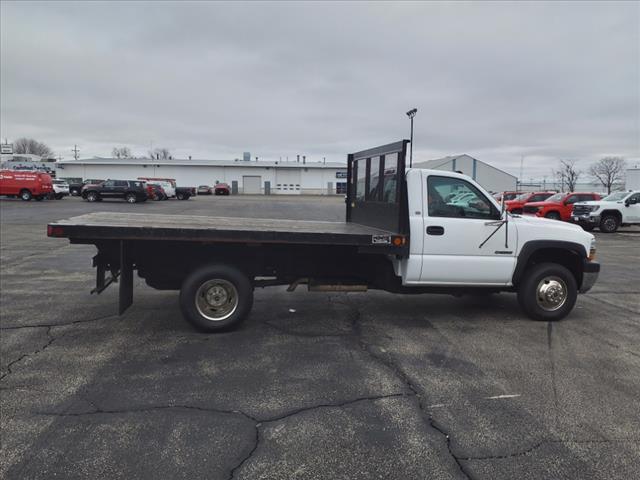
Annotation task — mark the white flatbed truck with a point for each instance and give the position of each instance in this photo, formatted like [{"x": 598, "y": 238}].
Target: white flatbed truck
[{"x": 401, "y": 234}]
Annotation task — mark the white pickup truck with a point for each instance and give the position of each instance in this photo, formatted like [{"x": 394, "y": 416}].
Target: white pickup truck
[
  {"x": 402, "y": 234},
  {"x": 614, "y": 211}
]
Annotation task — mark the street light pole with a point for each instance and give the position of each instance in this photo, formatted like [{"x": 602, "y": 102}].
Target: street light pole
[{"x": 411, "y": 113}]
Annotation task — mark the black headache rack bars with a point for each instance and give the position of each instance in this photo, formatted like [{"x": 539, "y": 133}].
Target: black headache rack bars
[{"x": 376, "y": 188}]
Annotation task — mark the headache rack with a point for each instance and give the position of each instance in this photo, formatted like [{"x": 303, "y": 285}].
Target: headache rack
[{"x": 376, "y": 188}]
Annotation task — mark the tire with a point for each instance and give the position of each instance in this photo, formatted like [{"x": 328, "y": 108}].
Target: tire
[
  {"x": 588, "y": 228},
  {"x": 58, "y": 196},
  {"x": 609, "y": 223},
  {"x": 180, "y": 196},
  {"x": 93, "y": 197},
  {"x": 39, "y": 198},
  {"x": 25, "y": 195},
  {"x": 552, "y": 216},
  {"x": 74, "y": 192},
  {"x": 517, "y": 211},
  {"x": 557, "y": 303},
  {"x": 131, "y": 198},
  {"x": 229, "y": 293}
]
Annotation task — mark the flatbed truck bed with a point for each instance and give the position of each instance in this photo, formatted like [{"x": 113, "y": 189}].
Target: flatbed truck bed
[{"x": 191, "y": 228}]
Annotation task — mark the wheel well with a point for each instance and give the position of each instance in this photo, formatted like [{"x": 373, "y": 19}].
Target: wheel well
[
  {"x": 552, "y": 211},
  {"x": 24, "y": 190},
  {"x": 567, "y": 258},
  {"x": 615, "y": 213}
]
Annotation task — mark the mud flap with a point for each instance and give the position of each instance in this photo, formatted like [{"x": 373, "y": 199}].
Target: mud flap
[{"x": 126, "y": 279}]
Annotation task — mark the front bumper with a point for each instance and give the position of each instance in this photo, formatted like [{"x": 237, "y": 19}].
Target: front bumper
[
  {"x": 590, "y": 271},
  {"x": 586, "y": 219}
]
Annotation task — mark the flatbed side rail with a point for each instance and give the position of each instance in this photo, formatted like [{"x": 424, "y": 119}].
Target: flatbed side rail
[{"x": 376, "y": 187}]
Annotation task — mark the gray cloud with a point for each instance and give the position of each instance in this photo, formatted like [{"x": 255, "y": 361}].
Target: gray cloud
[{"x": 495, "y": 80}]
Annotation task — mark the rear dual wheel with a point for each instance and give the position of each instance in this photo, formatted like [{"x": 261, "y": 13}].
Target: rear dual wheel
[{"x": 216, "y": 298}]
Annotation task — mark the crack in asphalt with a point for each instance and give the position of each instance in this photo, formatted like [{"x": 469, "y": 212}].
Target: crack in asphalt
[
  {"x": 26, "y": 355},
  {"x": 53, "y": 325},
  {"x": 257, "y": 422},
  {"x": 415, "y": 389},
  {"x": 530, "y": 449}
]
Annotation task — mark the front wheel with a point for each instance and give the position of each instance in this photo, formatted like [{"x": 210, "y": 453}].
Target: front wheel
[
  {"x": 553, "y": 216},
  {"x": 131, "y": 198},
  {"x": 548, "y": 292},
  {"x": 215, "y": 298},
  {"x": 609, "y": 224}
]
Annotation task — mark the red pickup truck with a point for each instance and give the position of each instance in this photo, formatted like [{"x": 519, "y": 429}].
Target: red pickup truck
[
  {"x": 515, "y": 205},
  {"x": 26, "y": 184},
  {"x": 558, "y": 206}
]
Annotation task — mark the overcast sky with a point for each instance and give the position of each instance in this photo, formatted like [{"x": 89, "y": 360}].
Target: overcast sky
[{"x": 495, "y": 80}]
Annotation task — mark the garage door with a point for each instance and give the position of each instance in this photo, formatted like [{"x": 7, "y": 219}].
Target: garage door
[
  {"x": 251, "y": 184},
  {"x": 288, "y": 181}
]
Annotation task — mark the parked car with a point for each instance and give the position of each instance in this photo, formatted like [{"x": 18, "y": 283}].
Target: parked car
[
  {"x": 610, "y": 213},
  {"x": 130, "y": 190},
  {"x": 222, "y": 189},
  {"x": 25, "y": 184},
  {"x": 558, "y": 206},
  {"x": 515, "y": 205},
  {"x": 60, "y": 189},
  {"x": 205, "y": 190}
]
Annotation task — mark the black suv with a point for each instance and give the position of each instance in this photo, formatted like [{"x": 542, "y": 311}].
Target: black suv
[{"x": 130, "y": 190}]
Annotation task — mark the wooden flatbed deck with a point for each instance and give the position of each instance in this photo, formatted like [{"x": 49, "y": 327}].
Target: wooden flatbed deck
[{"x": 137, "y": 226}]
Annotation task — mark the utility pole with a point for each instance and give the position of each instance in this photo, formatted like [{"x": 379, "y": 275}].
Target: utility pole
[
  {"x": 75, "y": 152},
  {"x": 411, "y": 113}
]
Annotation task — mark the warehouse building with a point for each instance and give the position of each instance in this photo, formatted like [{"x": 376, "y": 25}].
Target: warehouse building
[
  {"x": 244, "y": 176},
  {"x": 491, "y": 178}
]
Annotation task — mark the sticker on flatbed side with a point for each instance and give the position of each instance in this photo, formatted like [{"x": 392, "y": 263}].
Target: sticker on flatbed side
[{"x": 380, "y": 239}]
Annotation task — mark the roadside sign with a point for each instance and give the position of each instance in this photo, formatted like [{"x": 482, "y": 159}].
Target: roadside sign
[{"x": 6, "y": 148}]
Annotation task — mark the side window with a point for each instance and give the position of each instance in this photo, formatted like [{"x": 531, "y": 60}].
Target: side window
[
  {"x": 457, "y": 198},
  {"x": 121, "y": 183},
  {"x": 572, "y": 199},
  {"x": 109, "y": 183},
  {"x": 587, "y": 198},
  {"x": 634, "y": 199}
]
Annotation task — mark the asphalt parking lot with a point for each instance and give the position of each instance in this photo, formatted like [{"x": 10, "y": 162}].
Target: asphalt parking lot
[{"x": 313, "y": 385}]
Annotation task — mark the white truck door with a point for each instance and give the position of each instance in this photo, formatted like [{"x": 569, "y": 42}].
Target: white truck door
[
  {"x": 458, "y": 247},
  {"x": 632, "y": 211}
]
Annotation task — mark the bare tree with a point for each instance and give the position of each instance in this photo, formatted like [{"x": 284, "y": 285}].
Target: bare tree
[
  {"x": 567, "y": 175},
  {"x": 160, "y": 153},
  {"x": 608, "y": 171},
  {"x": 30, "y": 146},
  {"x": 121, "y": 152}
]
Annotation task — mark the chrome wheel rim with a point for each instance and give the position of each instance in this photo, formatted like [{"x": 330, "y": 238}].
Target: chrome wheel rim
[
  {"x": 551, "y": 293},
  {"x": 217, "y": 299}
]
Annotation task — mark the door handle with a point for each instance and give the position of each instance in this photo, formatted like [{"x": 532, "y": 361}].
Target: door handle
[{"x": 435, "y": 230}]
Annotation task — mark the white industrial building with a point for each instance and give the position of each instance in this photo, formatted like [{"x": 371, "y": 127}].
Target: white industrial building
[
  {"x": 244, "y": 176},
  {"x": 491, "y": 178}
]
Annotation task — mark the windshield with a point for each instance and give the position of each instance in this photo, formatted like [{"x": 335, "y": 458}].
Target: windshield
[
  {"x": 616, "y": 197},
  {"x": 522, "y": 197},
  {"x": 556, "y": 198}
]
